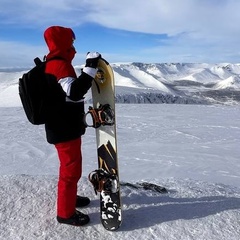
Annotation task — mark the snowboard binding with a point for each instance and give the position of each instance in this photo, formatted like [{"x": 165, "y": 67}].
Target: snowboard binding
[
  {"x": 103, "y": 115},
  {"x": 103, "y": 181}
]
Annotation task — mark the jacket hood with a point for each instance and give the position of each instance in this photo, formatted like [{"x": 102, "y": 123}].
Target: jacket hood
[{"x": 60, "y": 42}]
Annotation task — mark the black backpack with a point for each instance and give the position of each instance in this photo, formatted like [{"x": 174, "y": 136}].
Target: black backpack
[{"x": 40, "y": 93}]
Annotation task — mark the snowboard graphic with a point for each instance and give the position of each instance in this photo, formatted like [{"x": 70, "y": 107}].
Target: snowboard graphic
[{"x": 106, "y": 179}]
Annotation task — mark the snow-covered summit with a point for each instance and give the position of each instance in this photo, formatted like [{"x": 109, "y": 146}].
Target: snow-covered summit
[{"x": 177, "y": 82}]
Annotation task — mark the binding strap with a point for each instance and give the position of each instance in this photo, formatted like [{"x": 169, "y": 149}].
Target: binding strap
[
  {"x": 103, "y": 181},
  {"x": 103, "y": 115}
]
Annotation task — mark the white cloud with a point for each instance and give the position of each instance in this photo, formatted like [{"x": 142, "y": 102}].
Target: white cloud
[
  {"x": 196, "y": 29},
  {"x": 154, "y": 16},
  {"x": 18, "y": 54},
  {"x": 199, "y": 18}
]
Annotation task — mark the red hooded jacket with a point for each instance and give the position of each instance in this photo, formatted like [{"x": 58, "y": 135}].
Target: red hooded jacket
[{"x": 67, "y": 121}]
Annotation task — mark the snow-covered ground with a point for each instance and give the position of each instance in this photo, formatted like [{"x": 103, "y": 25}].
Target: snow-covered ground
[{"x": 192, "y": 150}]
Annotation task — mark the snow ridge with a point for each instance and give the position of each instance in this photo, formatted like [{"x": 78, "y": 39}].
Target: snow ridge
[{"x": 185, "y": 83}]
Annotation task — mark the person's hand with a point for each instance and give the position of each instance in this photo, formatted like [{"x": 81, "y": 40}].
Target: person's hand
[{"x": 92, "y": 59}]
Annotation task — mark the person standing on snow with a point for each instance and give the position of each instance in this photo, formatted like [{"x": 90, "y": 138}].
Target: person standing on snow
[{"x": 65, "y": 128}]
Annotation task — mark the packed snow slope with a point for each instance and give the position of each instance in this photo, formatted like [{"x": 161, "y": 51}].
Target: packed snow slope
[{"x": 192, "y": 150}]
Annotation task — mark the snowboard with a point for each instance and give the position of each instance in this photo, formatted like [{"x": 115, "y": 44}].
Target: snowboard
[{"x": 103, "y": 111}]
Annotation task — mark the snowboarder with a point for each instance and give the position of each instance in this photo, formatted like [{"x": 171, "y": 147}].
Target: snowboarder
[{"x": 66, "y": 127}]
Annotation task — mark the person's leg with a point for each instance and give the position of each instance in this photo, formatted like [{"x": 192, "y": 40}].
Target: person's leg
[{"x": 69, "y": 174}]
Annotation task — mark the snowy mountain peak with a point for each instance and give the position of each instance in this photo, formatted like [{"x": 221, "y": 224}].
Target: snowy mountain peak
[{"x": 177, "y": 82}]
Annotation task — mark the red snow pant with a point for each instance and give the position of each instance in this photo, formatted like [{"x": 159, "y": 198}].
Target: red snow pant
[{"x": 70, "y": 172}]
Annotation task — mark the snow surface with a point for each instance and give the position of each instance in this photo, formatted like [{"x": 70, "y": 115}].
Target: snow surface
[{"x": 192, "y": 150}]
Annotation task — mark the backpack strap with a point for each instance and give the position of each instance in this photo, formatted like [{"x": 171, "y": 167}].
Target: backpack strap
[{"x": 38, "y": 61}]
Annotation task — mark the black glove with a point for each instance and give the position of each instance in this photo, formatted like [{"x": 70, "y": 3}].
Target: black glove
[{"x": 92, "y": 59}]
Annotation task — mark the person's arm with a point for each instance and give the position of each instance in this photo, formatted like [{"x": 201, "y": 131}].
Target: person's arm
[{"x": 77, "y": 88}]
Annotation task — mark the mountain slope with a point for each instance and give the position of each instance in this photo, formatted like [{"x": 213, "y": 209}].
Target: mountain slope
[{"x": 177, "y": 83}]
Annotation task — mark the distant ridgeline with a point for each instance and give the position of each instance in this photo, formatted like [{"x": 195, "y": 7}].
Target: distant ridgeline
[
  {"x": 167, "y": 83},
  {"x": 177, "y": 83}
]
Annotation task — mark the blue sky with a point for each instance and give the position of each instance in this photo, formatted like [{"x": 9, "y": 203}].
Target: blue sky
[{"x": 124, "y": 31}]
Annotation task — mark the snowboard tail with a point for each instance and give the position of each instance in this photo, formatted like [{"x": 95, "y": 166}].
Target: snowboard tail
[{"x": 110, "y": 203}]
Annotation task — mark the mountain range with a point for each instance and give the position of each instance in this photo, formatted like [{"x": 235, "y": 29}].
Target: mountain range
[
  {"x": 190, "y": 83},
  {"x": 187, "y": 83}
]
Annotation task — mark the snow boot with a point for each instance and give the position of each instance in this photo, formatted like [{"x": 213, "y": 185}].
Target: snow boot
[
  {"x": 77, "y": 219},
  {"x": 82, "y": 201}
]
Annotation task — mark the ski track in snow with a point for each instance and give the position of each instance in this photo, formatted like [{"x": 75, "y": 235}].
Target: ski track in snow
[{"x": 192, "y": 150}]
